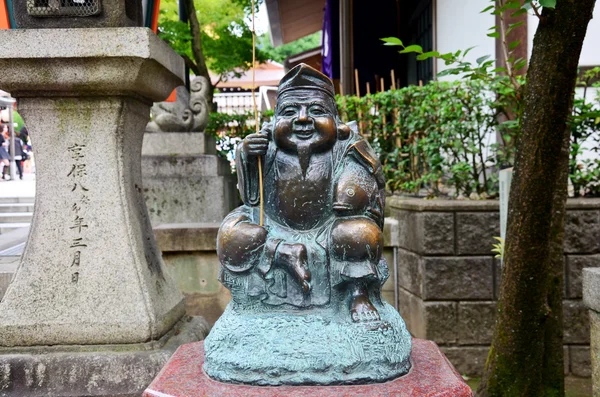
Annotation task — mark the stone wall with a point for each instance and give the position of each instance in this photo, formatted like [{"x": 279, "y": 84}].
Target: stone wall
[
  {"x": 591, "y": 298},
  {"x": 184, "y": 180},
  {"x": 189, "y": 251},
  {"x": 448, "y": 278}
]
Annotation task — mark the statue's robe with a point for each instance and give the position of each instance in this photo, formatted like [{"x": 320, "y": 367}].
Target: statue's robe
[{"x": 343, "y": 184}]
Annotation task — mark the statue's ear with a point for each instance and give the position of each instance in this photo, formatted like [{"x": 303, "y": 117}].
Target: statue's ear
[{"x": 343, "y": 131}]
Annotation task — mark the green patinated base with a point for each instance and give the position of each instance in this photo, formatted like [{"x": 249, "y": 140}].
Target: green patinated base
[{"x": 290, "y": 348}]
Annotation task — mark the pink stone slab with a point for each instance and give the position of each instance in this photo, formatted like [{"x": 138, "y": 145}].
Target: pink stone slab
[{"x": 432, "y": 375}]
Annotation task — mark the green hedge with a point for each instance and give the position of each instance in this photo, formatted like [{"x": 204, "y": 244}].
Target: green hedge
[
  {"x": 436, "y": 140},
  {"x": 432, "y": 140}
]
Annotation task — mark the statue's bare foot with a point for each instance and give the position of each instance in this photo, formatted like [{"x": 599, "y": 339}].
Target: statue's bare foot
[
  {"x": 361, "y": 308},
  {"x": 293, "y": 258}
]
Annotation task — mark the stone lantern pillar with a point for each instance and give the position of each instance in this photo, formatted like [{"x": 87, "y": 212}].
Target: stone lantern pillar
[{"x": 91, "y": 309}]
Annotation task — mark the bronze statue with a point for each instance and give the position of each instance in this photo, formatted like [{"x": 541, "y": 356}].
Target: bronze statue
[{"x": 320, "y": 249}]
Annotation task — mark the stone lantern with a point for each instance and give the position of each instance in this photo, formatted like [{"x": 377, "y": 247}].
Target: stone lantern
[
  {"x": 91, "y": 309},
  {"x": 43, "y": 14}
]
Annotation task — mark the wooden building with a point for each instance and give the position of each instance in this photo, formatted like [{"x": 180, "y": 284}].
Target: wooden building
[{"x": 356, "y": 27}]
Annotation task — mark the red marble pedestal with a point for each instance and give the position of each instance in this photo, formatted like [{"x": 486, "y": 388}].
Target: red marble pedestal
[{"x": 431, "y": 375}]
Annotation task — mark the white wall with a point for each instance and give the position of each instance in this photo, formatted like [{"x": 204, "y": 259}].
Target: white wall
[
  {"x": 590, "y": 56},
  {"x": 532, "y": 23},
  {"x": 590, "y": 53},
  {"x": 590, "y": 96},
  {"x": 460, "y": 25}
]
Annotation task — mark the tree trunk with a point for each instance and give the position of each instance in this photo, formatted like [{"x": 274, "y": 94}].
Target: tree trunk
[
  {"x": 526, "y": 356},
  {"x": 198, "y": 65}
]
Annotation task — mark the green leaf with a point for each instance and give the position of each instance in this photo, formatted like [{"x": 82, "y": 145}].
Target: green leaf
[
  {"x": 513, "y": 26},
  {"x": 412, "y": 48},
  {"x": 486, "y": 9},
  {"x": 514, "y": 44},
  {"x": 520, "y": 64},
  {"x": 519, "y": 12},
  {"x": 510, "y": 123},
  {"x": 512, "y": 4},
  {"x": 448, "y": 57},
  {"x": 480, "y": 60},
  {"x": 392, "y": 41},
  {"x": 427, "y": 55},
  {"x": 495, "y": 35},
  {"x": 468, "y": 50},
  {"x": 548, "y": 3}
]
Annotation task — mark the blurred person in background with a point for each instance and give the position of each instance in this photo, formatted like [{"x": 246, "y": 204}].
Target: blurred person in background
[
  {"x": 4, "y": 157},
  {"x": 18, "y": 154},
  {"x": 26, "y": 160}
]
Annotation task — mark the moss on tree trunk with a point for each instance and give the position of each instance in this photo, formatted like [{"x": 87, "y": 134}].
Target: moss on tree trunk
[{"x": 526, "y": 356}]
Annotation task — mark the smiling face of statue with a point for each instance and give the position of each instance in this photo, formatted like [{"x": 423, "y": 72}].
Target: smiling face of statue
[
  {"x": 305, "y": 124},
  {"x": 305, "y": 118}
]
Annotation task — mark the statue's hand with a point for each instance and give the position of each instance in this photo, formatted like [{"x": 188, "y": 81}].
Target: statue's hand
[{"x": 255, "y": 145}]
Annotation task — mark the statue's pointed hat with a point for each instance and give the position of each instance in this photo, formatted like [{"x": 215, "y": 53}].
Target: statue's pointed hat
[{"x": 303, "y": 77}]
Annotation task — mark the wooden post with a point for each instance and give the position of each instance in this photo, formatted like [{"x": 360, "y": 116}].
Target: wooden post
[
  {"x": 357, "y": 82},
  {"x": 383, "y": 118},
  {"x": 370, "y": 125},
  {"x": 398, "y": 140},
  {"x": 343, "y": 109},
  {"x": 360, "y": 123},
  {"x": 346, "y": 58}
]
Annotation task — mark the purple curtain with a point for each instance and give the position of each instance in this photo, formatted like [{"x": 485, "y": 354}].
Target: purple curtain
[{"x": 326, "y": 41}]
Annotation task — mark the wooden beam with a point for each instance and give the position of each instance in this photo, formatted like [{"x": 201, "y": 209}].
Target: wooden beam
[
  {"x": 274, "y": 22},
  {"x": 346, "y": 58},
  {"x": 298, "y": 19},
  {"x": 301, "y": 27},
  {"x": 301, "y": 6}
]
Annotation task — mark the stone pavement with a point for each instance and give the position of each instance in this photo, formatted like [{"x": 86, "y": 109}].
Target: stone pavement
[
  {"x": 13, "y": 242},
  {"x": 18, "y": 188},
  {"x": 16, "y": 192}
]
